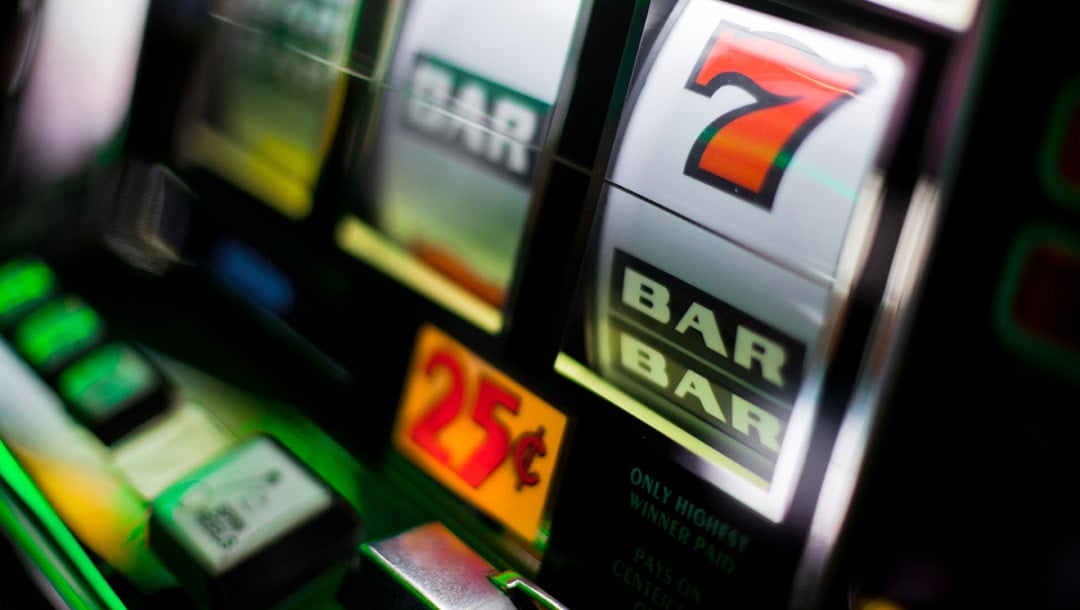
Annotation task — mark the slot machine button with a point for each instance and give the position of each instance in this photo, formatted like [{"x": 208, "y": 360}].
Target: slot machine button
[
  {"x": 24, "y": 283},
  {"x": 57, "y": 332},
  {"x": 1039, "y": 298},
  {"x": 252, "y": 276},
  {"x": 424, "y": 567},
  {"x": 252, "y": 527},
  {"x": 1059, "y": 158},
  {"x": 113, "y": 390}
]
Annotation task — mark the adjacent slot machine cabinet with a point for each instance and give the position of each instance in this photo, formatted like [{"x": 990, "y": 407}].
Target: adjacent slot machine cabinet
[
  {"x": 267, "y": 97},
  {"x": 443, "y": 182},
  {"x": 100, "y": 440},
  {"x": 236, "y": 110},
  {"x": 455, "y": 189}
]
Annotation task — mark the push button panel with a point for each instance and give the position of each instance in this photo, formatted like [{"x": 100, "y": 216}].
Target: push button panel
[
  {"x": 234, "y": 506},
  {"x": 176, "y": 499},
  {"x": 57, "y": 331},
  {"x": 108, "y": 385},
  {"x": 23, "y": 284},
  {"x": 268, "y": 96}
]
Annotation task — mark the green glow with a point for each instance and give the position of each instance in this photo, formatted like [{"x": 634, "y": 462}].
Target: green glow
[
  {"x": 1044, "y": 350},
  {"x": 106, "y": 378},
  {"x": 24, "y": 488},
  {"x": 1066, "y": 110},
  {"x": 23, "y": 282},
  {"x": 783, "y": 160},
  {"x": 543, "y": 536},
  {"x": 39, "y": 553},
  {"x": 511, "y": 580},
  {"x": 57, "y": 330}
]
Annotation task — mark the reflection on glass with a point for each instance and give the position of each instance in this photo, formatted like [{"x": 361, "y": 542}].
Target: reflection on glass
[
  {"x": 466, "y": 109},
  {"x": 270, "y": 94}
]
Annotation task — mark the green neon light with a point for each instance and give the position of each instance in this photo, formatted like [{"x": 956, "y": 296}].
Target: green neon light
[
  {"x": 23, "y": 282},
  {"x": 59, "y": 329},
  {"x": 511, "y": 580},
  {"x": 37, "y": 552},
  {"x": 1040, "y": 349},
  {"x": 1066, "y": 110},
  {"x": 104, "y": 379},
  {"x": 24, "y": 488}
]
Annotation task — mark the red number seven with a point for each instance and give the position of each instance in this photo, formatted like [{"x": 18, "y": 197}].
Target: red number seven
[{"x": 746, "y": 150}]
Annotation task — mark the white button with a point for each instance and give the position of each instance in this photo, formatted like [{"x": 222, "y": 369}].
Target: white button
[{"x": 238, "y": 504}]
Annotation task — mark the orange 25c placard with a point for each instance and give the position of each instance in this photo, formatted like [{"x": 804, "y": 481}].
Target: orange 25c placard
[{"x": 479, "y": 433}]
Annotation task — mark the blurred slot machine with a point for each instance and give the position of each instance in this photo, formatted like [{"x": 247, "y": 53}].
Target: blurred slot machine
[{"x": 572, "y": 304}]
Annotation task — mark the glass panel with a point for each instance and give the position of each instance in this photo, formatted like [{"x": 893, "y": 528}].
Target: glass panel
[
  {"x": 465, "y": 113},
  {"x": 110, "y": 377},
  {"x": 269, "y": 96},
  {"x": 740, "y": 197}
]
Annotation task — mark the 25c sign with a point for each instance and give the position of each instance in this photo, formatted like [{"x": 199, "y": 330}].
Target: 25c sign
[
  {"x": 746, "y": 150},
  {"x": 478, "y": 432}
]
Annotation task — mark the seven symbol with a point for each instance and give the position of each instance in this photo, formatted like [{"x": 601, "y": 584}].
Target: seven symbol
[{"x": 745, "y": 150}]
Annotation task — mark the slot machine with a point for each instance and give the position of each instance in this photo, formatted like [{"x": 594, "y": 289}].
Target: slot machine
[{"x": 663, "y": 304}]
